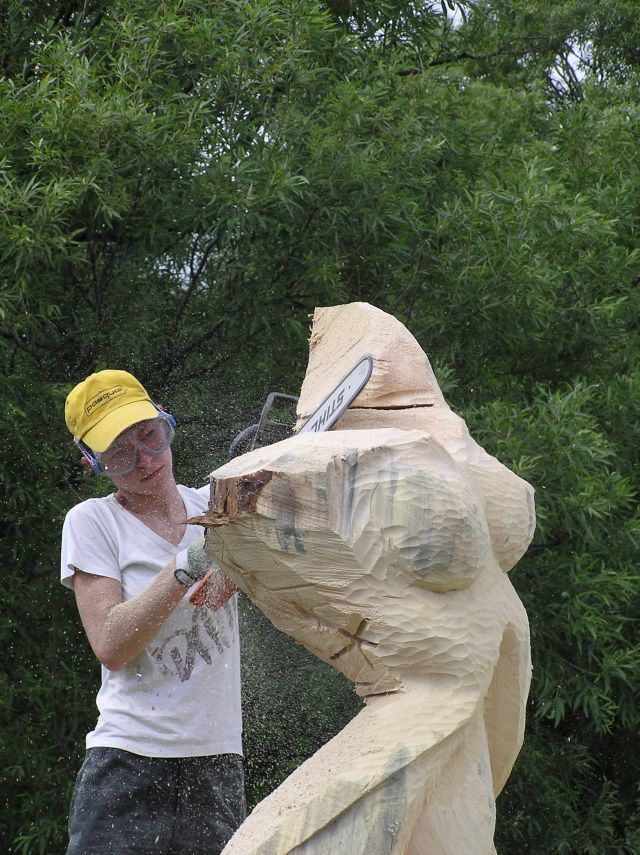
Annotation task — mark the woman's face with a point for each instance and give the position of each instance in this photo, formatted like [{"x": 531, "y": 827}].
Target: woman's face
[
  {"x": 140, "y": 444},
  {"x": 151, "y": 476}
]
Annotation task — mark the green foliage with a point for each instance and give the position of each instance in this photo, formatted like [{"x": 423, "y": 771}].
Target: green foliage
[
  {"x": 48, "y": 686},
  {"x": 182, "y": 182},
  {"x": 286, "y": 692},
  {"x": 520, "y": 42},
  {"x": 582, "y": 816}
]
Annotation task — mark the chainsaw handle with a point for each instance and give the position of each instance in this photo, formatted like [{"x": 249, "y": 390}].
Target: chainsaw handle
[{"x": 240, "y": 439}]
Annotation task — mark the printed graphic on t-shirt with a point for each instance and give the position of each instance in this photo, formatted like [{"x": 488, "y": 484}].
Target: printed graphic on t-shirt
[{"x": 210, "y": 633}]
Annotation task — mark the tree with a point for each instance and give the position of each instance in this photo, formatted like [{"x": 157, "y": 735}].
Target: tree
[
  {"x": 560, "y": 44},
  {"x": 181, "y": 183}
]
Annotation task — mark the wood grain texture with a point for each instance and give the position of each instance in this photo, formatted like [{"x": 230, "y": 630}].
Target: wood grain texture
[{"x": 382, "y": 547}]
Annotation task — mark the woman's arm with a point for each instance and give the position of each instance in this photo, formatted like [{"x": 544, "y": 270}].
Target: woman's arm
[{"x": 119, "y": 630}]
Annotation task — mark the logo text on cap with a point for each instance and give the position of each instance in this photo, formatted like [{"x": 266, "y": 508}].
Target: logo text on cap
[{"x": 103, "y": 398}]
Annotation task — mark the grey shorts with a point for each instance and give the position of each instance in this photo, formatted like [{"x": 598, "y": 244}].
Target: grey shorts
[{"x": 124, "y": 803}]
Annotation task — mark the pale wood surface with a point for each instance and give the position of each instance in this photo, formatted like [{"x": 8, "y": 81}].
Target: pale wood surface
[
  {"x": 382, "y": 546},
  {"x": 342, "y": 335}
]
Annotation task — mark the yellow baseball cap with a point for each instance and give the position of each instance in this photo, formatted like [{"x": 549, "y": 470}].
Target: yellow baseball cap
[{"x": 105, "y": 404}]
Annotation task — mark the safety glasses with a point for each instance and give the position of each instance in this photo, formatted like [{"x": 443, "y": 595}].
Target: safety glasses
[{"x": 121, "y": 458}]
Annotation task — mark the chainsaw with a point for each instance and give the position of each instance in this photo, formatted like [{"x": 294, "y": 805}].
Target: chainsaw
[{"x": 267, "y": 430}]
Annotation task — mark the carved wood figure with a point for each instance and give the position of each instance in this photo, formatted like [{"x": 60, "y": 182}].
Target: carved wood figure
[{"x": 383, "y": 546}]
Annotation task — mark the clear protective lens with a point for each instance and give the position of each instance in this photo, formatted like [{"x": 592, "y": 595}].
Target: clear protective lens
[
  {"x": 120, "y": 462},
  {"x": 153, "y": 437},
  {"x": 156, "y": 437}
]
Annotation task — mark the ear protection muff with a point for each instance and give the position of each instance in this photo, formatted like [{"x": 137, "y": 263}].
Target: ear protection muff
[{"x": 168, "y": 416}]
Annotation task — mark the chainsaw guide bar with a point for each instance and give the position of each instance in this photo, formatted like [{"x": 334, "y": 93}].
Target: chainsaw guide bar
[{"x": 337, "y": 401}]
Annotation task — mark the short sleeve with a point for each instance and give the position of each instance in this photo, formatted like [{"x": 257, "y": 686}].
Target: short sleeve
[{"x": 88, "y": 543}]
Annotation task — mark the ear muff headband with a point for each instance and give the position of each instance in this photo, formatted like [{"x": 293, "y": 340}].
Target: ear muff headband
[
  {"x": 169, "y": 418},
  {"x": 88, "y": 457}
]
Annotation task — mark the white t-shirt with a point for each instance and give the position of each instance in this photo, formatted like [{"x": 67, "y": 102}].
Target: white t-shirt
[{"x": 180, "y": 697}]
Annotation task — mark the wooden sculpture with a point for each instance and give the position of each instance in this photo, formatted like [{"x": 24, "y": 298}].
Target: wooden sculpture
[{"x": 382, "y": 546}]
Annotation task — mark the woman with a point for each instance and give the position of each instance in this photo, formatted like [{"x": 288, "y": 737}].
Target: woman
[{"x": 163, "y": 768}]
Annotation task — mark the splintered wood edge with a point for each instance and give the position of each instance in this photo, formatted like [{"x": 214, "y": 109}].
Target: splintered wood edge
[
  {"x": 210, "y": 519},
  {"x": 231, "y": 496}
]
